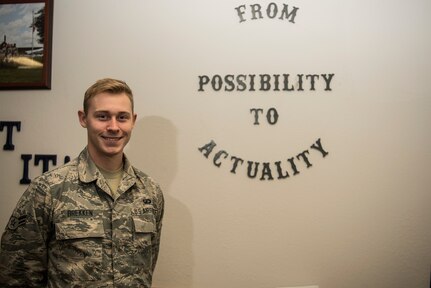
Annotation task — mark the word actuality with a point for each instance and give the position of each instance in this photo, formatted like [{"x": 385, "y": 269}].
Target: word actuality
[
  {"x": 265, "y": 82},
  {"x": 263, "y": 170}
]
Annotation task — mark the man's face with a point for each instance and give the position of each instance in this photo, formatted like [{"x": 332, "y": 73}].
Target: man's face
[{"x": 109, "y": 122}]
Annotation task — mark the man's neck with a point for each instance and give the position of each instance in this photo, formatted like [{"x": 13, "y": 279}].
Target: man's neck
[{"x": 107, "y": 163}]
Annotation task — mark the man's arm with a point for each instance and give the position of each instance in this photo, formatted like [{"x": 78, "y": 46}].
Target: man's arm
[
  {"x": 159, "y": 218},
  {"x": 23, "y": 254}
]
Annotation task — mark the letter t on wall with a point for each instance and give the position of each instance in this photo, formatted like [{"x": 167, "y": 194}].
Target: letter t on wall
[{"x": 9, "y": 133}]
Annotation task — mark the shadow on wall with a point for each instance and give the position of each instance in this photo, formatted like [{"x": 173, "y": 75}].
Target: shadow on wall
[{"x": 153, "y": 149}]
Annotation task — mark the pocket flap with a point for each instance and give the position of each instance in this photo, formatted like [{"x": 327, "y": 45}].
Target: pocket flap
[
  {"x": 143, "y": 225},
  {"x": 82, "y": 228}
]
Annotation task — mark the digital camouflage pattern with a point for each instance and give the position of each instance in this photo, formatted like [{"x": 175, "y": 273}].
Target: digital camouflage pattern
[{"x": 68, "y": 231}]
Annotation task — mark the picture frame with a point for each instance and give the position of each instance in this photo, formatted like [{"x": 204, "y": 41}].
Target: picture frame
[{"x": 25, "y": 44}]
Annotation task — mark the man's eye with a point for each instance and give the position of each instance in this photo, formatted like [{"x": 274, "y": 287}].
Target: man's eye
[
  {"x": 101, "y": 117},
  {"x": 123, "y": 118}
]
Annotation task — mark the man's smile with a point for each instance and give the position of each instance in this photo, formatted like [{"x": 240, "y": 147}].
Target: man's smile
[{"x": 112, "y": 138}]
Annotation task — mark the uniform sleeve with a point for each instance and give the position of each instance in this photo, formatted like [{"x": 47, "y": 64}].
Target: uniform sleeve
[
  {"x": 160, "y": 211},
  {"x": 23, "y": 254}
]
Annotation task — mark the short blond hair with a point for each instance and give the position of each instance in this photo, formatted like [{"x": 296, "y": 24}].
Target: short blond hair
[{"x": 107, "y": 85}]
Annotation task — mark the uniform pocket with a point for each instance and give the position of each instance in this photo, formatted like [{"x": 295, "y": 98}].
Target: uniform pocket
[
  {"x": 143, "y": 230},
  {"x": 79, "y": 229},
  {"x": 79, "y": 248},
  {"x": 143, "y": 225}
]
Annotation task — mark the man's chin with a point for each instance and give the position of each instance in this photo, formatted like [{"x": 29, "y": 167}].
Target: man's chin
[{"x": 112, "y": 151}]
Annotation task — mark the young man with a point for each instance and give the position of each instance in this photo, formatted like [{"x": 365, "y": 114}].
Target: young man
[{"x": 94, "y": 222}]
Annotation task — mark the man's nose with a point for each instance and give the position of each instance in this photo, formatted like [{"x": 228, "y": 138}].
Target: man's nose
[{"x": 113, "y": 125}]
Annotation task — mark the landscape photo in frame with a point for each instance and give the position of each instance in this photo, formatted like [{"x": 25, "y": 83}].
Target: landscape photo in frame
[{"x": 25, "y": 44}]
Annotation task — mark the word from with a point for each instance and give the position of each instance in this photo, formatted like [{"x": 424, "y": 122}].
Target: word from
[
  {"x": 268, "y": 170},
  {"x": 265, "y": 82},
  {"x": 272, "y": 11},
  {"x": 45, "y": 159}
]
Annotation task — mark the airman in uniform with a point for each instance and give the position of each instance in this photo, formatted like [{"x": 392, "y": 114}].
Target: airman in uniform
[{"x": 94, "y": 222}]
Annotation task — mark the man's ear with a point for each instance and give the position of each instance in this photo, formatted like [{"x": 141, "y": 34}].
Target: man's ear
[
  {"x": 135, "y": 116},
  {"x": 82, "y": 118}
]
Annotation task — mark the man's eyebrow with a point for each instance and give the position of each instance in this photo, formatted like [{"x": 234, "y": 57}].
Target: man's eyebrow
[
  {"x": 124, "y": 113},
  {"x": 107, "y": 111}
]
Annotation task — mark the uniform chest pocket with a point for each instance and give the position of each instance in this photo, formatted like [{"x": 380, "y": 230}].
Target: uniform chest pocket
[
  {"x": 143, "y": 232},
  {"x": 79, "y": 229},
  {"x": 79, "y": 248}
]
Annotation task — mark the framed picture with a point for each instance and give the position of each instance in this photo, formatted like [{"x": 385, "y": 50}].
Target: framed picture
[{"x": 25, "y": 44}]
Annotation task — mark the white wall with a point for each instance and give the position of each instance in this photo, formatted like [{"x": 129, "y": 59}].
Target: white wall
[{"x": 360, "y": 217}]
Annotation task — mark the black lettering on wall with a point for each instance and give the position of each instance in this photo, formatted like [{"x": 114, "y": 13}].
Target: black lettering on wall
[{"x": 9, "y": 132}]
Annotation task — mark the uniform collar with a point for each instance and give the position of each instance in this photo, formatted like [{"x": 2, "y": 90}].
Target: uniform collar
[{"x": 88, "y": 171}]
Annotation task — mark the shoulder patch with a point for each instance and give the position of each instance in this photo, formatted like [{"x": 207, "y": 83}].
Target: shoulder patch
[{"x": 15, "y": 222}]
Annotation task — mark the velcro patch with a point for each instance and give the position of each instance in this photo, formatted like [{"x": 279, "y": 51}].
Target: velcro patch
[
  {"x": 15, "y": 222},
  {"x": 79, "y": 213}
]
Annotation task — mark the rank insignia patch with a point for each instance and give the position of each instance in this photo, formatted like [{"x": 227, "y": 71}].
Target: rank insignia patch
[{"x": 15, "y": 222}]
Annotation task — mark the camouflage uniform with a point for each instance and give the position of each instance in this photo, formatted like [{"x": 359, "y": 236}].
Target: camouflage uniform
[{"x": 67, "y": 231}]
